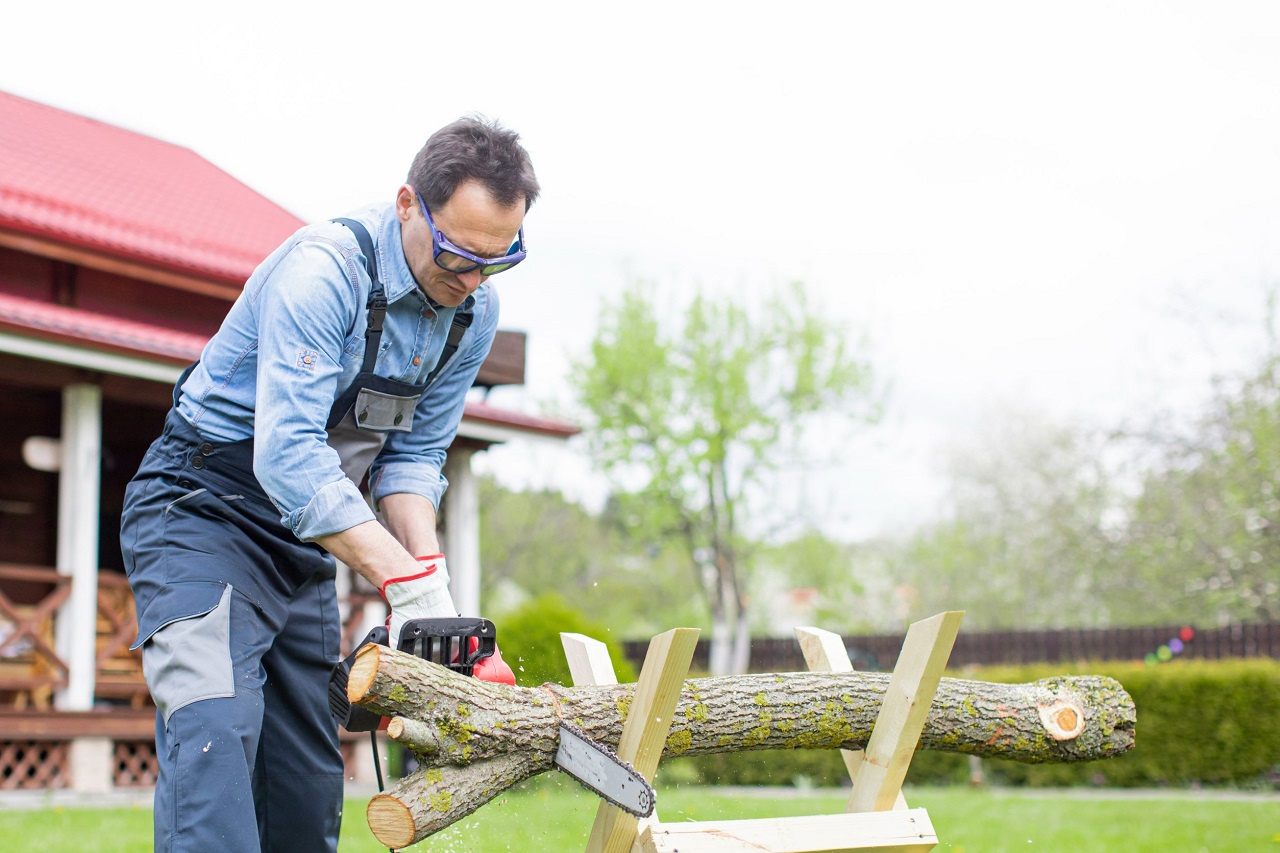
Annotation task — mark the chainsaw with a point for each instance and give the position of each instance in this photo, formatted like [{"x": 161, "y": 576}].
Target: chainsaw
[{"x": 459, "y": 644}]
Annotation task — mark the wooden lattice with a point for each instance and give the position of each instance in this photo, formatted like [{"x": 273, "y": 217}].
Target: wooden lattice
[
  {"x": 136, "y": 765},
  {"x": 33, "y": 765}
]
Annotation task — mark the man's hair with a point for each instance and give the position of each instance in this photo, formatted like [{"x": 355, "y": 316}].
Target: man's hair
[{"x": 474, "y": 148}]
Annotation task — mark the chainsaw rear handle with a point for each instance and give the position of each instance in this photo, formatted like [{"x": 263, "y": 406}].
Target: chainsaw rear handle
[
  {"x": 353, "y": 718},
  {"x": 458, "y": 644}
]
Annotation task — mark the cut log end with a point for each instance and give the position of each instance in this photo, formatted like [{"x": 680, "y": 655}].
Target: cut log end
[
  {"x": 391, "y": 821},
  {"x": 395, "y": 729},
  {"x": 418, "y": 736},
  {"x": 1062, "y": 720},
  {"x": 363, "y": 671}
]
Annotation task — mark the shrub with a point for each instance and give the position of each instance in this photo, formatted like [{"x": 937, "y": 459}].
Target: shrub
[
  {"x": 1199, "y": 722},
  {"x": 529, "y": 637}
]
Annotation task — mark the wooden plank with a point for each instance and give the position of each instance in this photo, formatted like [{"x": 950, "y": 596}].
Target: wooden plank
[
  {"x": 896, "y": 831},
  {"x": 118, "y": 724},
  {"x": 209, "y": 286},
  {"x": 902, "y": 715},
  {"x": 644, "y": 733},
  {"x": 504, "y": 365},
  {"x": 589, "y": 662},
  {"x": 825, "y": 651}
]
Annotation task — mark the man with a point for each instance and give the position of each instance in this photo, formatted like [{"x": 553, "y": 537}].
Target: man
[{"x": 348, "y": 355}]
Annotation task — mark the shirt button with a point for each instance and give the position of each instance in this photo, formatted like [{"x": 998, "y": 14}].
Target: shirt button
[
  {"x": 206, "y": 448},
  {"x": 197, "y": 463},
  {"x": 416, "y": 361},
  {"x": 431, "y": 315}
]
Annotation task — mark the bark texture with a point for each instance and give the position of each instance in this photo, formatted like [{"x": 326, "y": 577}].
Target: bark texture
[{"x": 474, "y": 739}]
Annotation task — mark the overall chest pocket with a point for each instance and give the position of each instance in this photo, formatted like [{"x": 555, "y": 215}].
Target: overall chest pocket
[{"x": 382, "y": 412}]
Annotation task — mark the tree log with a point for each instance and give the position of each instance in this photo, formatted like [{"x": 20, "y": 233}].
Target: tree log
[{"x": 474, "y": 739}]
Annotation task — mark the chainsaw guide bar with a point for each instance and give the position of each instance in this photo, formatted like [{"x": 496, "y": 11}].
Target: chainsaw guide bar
[{"x": 599, "y": 769}]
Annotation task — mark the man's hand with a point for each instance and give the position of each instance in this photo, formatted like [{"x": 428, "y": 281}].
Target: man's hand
[{"x": 422, "y": 595}]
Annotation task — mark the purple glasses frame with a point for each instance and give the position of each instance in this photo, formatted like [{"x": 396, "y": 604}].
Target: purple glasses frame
[{"x": 440, "y": 243}]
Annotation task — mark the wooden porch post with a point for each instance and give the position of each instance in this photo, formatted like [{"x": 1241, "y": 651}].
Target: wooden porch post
[
  {"x": 77, "y": 555},
  {"x": 462, "y": 531}
]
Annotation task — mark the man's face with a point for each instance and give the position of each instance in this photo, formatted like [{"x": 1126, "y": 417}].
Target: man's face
[{"x": 472, "y": 220}]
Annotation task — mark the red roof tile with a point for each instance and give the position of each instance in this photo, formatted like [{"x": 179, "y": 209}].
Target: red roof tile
[
  {"x": 484, "y": 413},
  {"x": 87, "y": 184},
  {"x": 73, "y": 326}
]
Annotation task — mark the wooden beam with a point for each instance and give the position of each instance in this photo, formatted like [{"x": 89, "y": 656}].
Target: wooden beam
[
  {"x": 118, "y": 724},
  {"x": 824, "y": 651},
  {"x": 897, "y": 831},
  {"x": 461, "y": 533},
  {"x": 93, "y": 260},
  {"x": 902, "y": 716},
  {"x": 588, "y": 658},
  {"x": 505, "y": 363},
  {"x": 79, "y": 500},
  {"x": 644, "y": 734}
]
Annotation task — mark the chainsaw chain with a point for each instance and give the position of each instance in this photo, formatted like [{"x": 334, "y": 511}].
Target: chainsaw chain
[{"x": 613, "y": 756}]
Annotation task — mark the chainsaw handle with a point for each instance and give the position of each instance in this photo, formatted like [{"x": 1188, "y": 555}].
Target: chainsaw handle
[
  {"x": 353, "y": 718},
  {"x": 458, "y": 644}
]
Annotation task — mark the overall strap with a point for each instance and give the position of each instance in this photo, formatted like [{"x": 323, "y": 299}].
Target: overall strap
[
  {"x": 461, "y": 322},
  {"x": 377, "y": 308},
  {"x": 377, "y": 304}
]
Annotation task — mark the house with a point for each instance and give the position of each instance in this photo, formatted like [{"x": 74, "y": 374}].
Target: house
[{"x": 119, "y": 256}]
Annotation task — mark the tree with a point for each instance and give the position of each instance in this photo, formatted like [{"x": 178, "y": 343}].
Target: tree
[
  {"x": 1029, "y": 539},
  {"x": 695, "y": 414},
  {"x": 537, "y": 543},
  {"x": 1208, "y": 516},
  {"x": 826, "y": 578}
]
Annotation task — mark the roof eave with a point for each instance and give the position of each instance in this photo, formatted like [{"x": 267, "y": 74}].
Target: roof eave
[{"x": 111, "y": 260}]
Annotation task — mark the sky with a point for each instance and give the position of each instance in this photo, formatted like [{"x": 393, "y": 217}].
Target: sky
[{"x": 1070, "y": 208}]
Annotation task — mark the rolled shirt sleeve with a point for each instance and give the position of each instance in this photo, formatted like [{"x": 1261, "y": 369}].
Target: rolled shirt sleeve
[{"x": 306, "y": 311}]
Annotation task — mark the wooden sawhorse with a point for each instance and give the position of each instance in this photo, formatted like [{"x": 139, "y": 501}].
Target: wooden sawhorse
[{"x": 877, "y": 817}]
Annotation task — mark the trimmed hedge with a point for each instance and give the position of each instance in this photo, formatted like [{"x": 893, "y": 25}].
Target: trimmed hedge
[
  {"x": 1199, "y": 722},
  {"x": 529, "y": 637}
]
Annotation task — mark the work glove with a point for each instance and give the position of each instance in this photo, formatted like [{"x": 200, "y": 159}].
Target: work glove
[{"x": 423, "y": 595}]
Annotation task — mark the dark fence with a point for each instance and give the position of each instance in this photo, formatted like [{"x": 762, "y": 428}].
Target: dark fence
[{"x": 880, "y": 651}]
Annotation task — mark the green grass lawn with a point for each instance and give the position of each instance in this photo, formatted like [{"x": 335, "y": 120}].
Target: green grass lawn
[{"x": 553, "y": 815}]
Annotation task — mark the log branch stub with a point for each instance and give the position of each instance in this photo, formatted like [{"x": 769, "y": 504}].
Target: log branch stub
[
  {"x": 1062, "y": 720},
  {"x": 415, "y": 735}
]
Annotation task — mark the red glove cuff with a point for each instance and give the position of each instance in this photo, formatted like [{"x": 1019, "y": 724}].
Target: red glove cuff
[{"x": 425, "y": 573}]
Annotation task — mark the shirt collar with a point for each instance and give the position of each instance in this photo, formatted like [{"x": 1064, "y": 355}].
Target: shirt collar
[{"x": 397, "y": 280}]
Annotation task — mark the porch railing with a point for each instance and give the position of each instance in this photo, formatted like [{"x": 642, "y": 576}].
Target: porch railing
[{"x": 31, "y": 669}]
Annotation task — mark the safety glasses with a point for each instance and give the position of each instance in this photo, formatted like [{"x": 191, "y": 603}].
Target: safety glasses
[{"x": 457, "y": 260}]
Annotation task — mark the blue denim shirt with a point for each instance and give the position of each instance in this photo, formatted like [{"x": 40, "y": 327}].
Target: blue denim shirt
[{"x": 294, "y": 340}]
